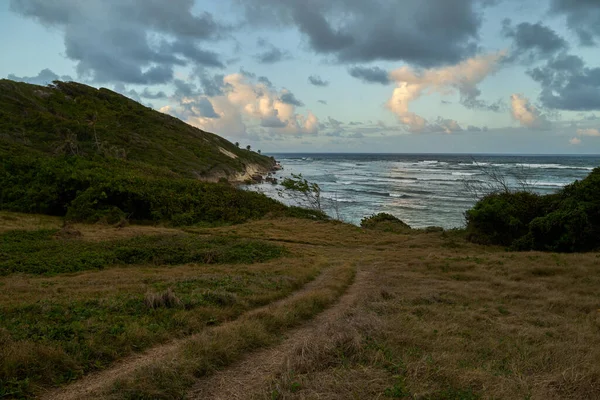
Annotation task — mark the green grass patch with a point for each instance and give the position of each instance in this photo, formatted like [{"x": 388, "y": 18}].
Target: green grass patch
[
  {"x": 53, "y": 340},
  {"x": 39, "y": 252}
]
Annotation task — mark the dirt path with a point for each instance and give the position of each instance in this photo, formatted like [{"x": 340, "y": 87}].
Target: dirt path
[
  {"x": 91, "y": 385},
  {"x": 250, "y": 376}
]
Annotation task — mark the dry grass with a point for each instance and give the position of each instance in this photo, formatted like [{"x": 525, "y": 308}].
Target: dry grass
[
  {"x": 166, "y": 299},
  {"x": 438, "y": 318},
  {"x": 10, "y": 221},
  {"x": 217, "y": 348}
]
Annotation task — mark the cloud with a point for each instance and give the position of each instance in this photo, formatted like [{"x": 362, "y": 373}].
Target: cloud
[
  {"x": 272, "y": 56},
  {"x": 532, "y": 42},
  {"x": 445, "y": 125},
  {"x": 370, "y": 74},
  {"x": 583, "y": 17},
  {"x": 132, "y": 41},
  {"x": 588, "y": 132},
  {"x": 192, "y": 52},
  {"x": 247, "y": 74},
  {"x": 473, "y": 103},
  {"x": 322, "y": 102},
  {"x": 288, "y": 98},
  {"x": 334, "y": 123},
  {"x": 245, "y": 104},
  {"x": 147, "y": 94},
  {"x": 526, "y": 114},
  {"x": 316, "y": 80},
  {"x": 575, "y": 141},
  {"x": 567, "y": 84},
  {"x": 264, "y": 80},
  {"x": 45, "y": 77},
  {"x": 212, "y": 85},
  {"x": 462, "y": 78},
  {"x": 421, "y": 32}
]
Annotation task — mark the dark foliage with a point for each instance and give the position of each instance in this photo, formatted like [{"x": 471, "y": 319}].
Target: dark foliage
[
  {"x": 74, "y": 119},
  {"x": 384, "y": 222},
  {"x": 111, "y": 189},
  {"x": 567, "y": 221}
]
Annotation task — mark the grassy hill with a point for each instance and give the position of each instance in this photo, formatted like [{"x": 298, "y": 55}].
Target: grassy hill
[
  {"x": 93, "y": 155},
  {"x": 74, "y": 119}
]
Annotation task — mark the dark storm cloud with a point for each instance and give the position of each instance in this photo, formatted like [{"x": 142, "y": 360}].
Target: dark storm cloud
[
  {"x": 45, "y": 77},
  {"x": 568, "y": 84},
  {"x": 316, "y": 80},
  {"x": 184, "y": 89},
  {"x": 532, "y": 42},
  {"x": 192, "y": 52},
  {"x": 289, "y": 98},
  {"x": 583, "y": 17},
  {"x": 212, "y": 85},
  {"x": 115, "y": 41},
  {"x": 370, "y": 74},
  {"x": 421, "y": 32}
]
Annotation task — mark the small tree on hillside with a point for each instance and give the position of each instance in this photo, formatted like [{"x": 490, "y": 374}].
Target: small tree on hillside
[
  {"x": 300, "y": 190},
  {"x": 237, "y": 144},
  {"x": 258, "y": 151},
  {"x": 248, "y": 147}
]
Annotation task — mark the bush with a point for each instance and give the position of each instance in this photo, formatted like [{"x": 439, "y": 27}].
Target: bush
[
  {"x": 501, "y": 218},
  {"x": 567, "y": 221},
  {"x": 384, "y": 222},
  {"x": 112, "y": 190}
]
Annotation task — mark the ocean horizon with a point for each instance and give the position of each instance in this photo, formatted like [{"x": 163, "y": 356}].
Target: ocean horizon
[{"x": 422, "y": 189}]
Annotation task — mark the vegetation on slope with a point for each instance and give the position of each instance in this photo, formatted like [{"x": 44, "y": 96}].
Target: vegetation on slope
[
  {"x": 75, "y": 119},
  {"x": 567, "y": 221},
  {"x": 93, "y": 155},
  {"x": 385, "y": 222},
  {"x": 112, "y": 190}
]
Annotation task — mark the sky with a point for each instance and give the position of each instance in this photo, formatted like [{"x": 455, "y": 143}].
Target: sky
[{"x": 391, "y": 76}]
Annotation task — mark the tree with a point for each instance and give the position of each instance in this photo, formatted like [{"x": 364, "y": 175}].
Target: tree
[
  {"x": 258, "y": 151},
  {"x": 237, "y": 144},
  {"x": 248, "y": 147},
  {"x": 300, "y": 190}
]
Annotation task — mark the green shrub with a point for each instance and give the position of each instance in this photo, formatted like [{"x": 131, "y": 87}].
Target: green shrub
[
  {"x": 566, "y": 221},
  {"x": 111, "y": 190},
  {"x": 384, "y": 222},
  {"x": 501, "y": 218}
]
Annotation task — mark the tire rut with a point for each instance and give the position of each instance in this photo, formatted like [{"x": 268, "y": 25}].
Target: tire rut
[
  {"x": 250, "y": 375},
  {"x": 90, "y": 386}
]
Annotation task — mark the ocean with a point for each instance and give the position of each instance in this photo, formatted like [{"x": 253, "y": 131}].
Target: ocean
[{"x": 420, "y": 189}]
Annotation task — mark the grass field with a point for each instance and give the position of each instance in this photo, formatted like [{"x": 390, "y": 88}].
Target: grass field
[{"x": 321, "y": 310}]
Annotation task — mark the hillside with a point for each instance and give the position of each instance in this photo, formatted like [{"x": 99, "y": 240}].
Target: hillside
[{"x": 75, "y": 119}]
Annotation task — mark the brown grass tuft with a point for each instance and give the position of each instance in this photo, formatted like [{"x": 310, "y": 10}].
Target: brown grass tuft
[
  {"x": 68, "y": 232},
  {"x": 166, "y": 299}
]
